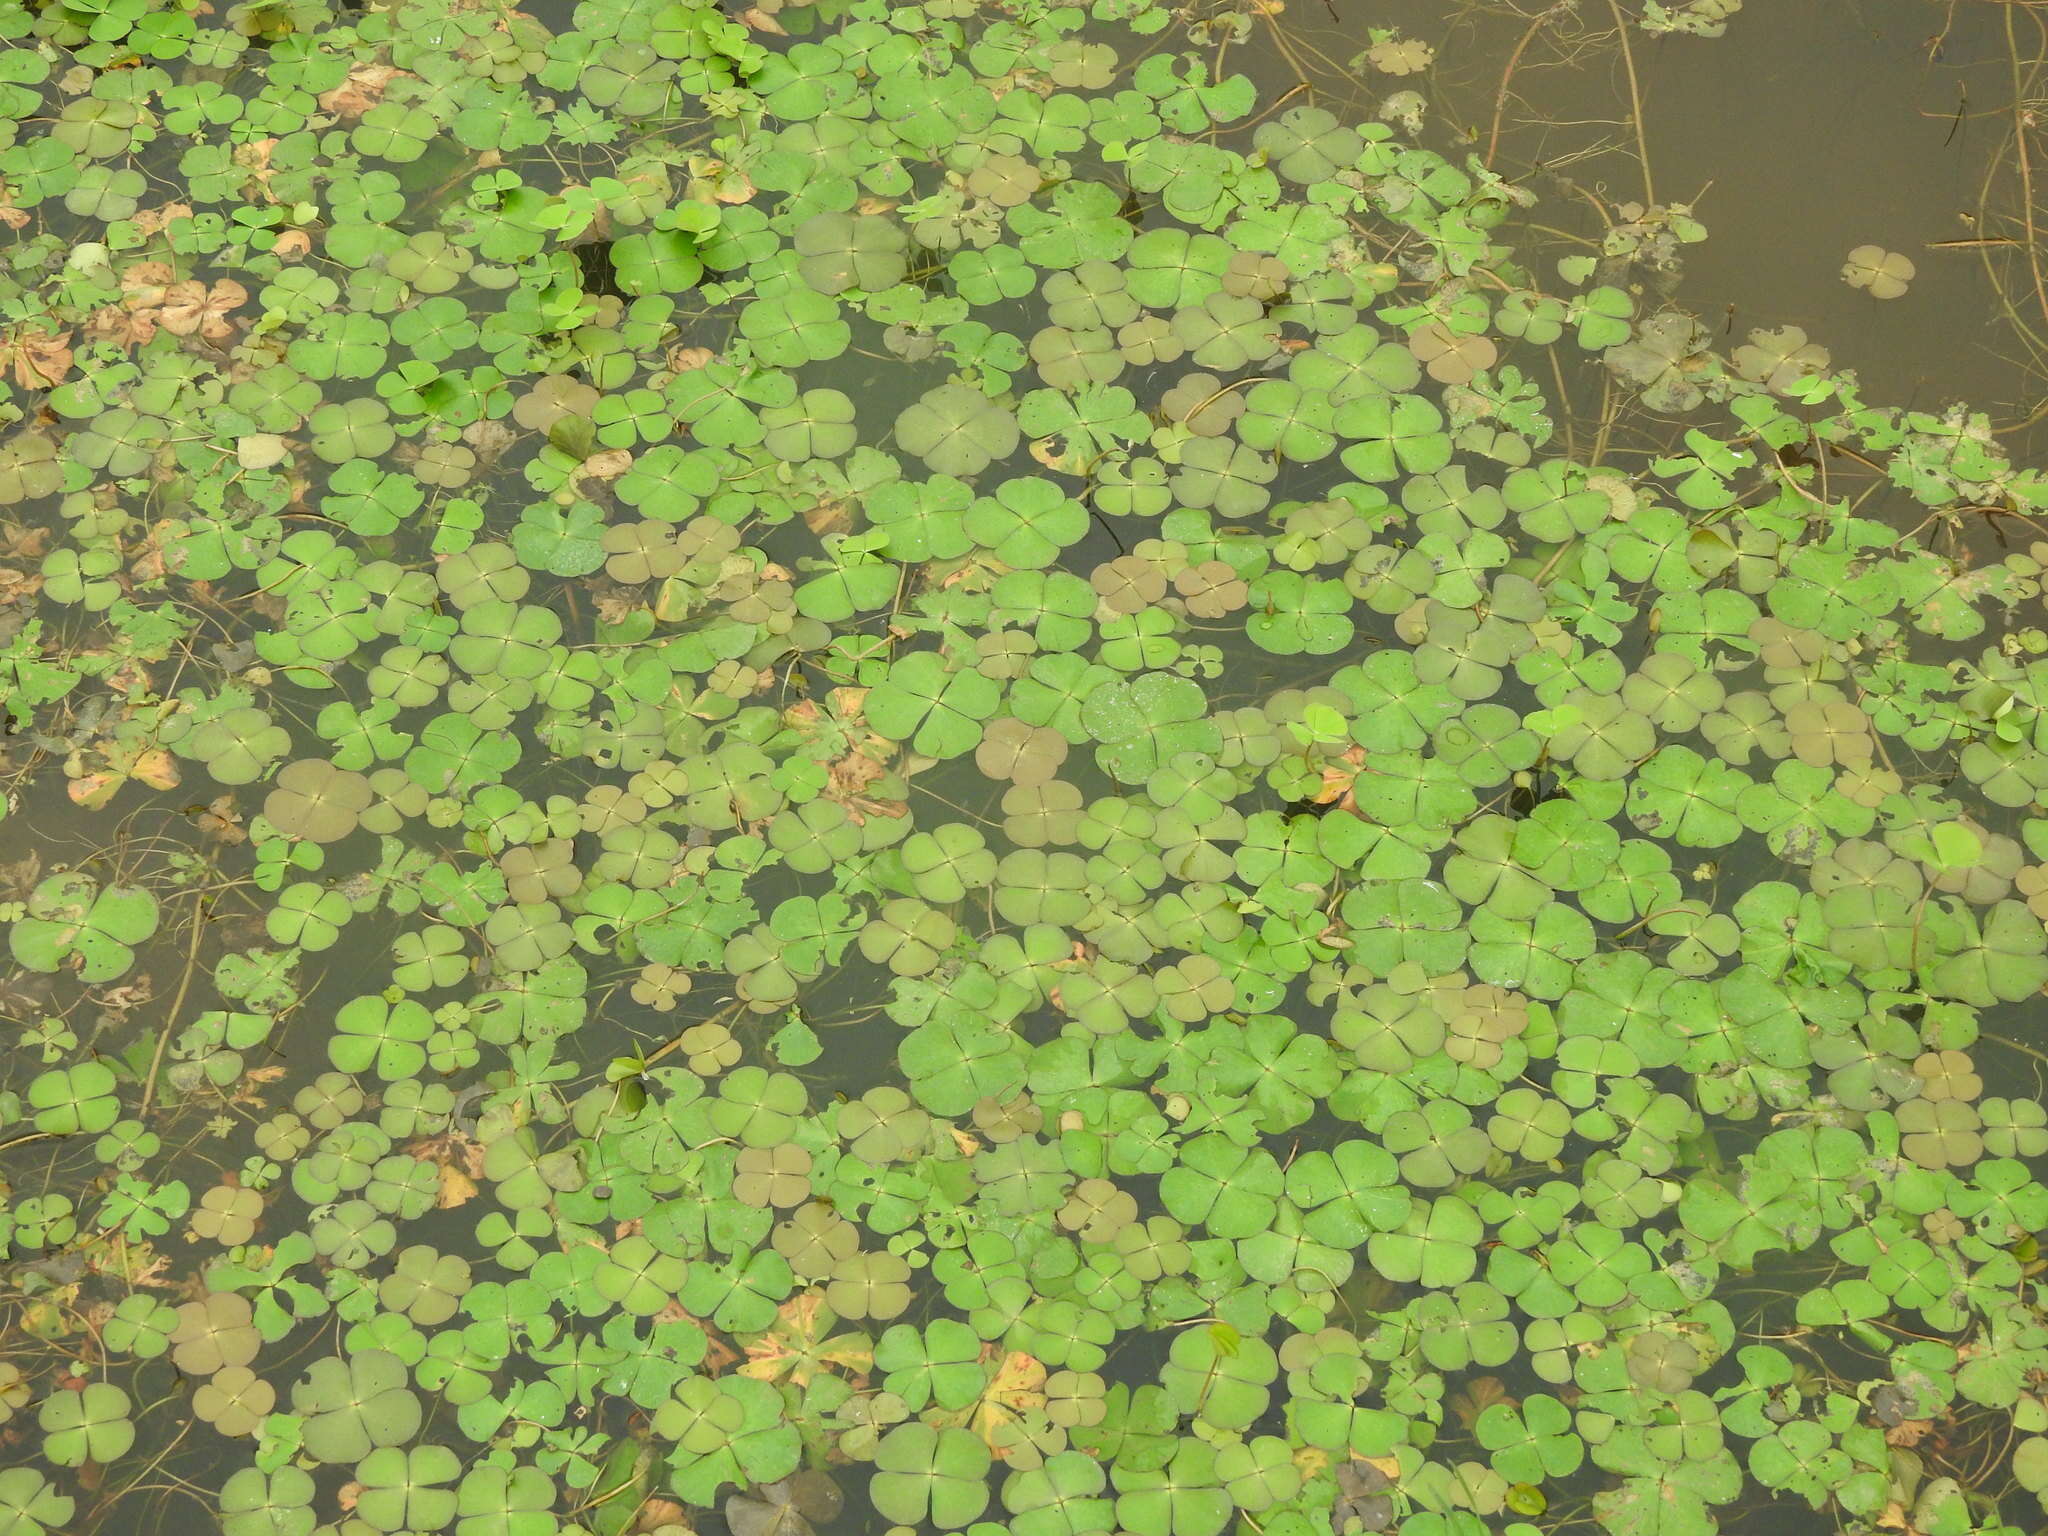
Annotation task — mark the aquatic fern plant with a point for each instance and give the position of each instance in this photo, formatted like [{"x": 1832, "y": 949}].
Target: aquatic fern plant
[{"x": 886, "y": 757}]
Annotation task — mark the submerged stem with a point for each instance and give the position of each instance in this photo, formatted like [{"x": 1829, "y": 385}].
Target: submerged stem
[
  {"x": 1635, "y": 99},
  {"x": 163, "y": 1039}
]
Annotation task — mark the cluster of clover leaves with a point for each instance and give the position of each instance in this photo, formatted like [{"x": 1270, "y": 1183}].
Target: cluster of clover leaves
[{"x": 944, "y": 544}]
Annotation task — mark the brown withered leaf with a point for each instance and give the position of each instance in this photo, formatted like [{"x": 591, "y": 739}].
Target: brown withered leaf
[
  {"x": 39, "y": 358},
  {"x": 19, "y": 878},
  {"x": 614, "y": 603},
  {"x": 249, "y": 1090},
  {"x": 121, "y": 1000},
  {"x": 1339, "y": 780},
  {"x": 122, "y": 327},
  {"x": 150, "y": 555},
  {"x": 830, "y": 515},
  {"x": 659, "y": 1515},
  {"x": 151, "y": 221},
  {"x": 362, "y": 90},
  {"x": 137, "y": 1264},
  {"x": 490, "y": 439},
  {"x": 719, "y": 1356},
  {"x": 460, "y": 1172},
  {"x": 144, "y": 283},
  {"x": 608, "y": 464},
  {"x": 220, "y": 821},
  {"x": 861, "y": 807},
  {"x": 191, "y": 308},
  {"x": 457, "y": 1188},
  {"x": 18, "y": 586},
  {"x": 458, "y": 1162},
  {"x": 1481, "y": 1393},
  {"x": 20, "y": 541},
  {"x": 853, "y": 773},
  {"x": 130, "y": 679}
]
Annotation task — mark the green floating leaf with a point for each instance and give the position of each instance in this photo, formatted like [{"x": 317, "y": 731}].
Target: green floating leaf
[{"x": 71, "y": 919}]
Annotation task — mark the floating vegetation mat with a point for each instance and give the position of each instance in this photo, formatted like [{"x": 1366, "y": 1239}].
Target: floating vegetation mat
[{"x": 891, "y": 767}]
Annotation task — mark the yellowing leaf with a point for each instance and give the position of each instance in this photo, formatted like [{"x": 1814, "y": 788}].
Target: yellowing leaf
[
  {"x": 1017, "y": 1388},
  {"x": 457, "y": 1188},
  {"x": 94, "y": 790},
  {"x": 156, "y": 768},
  {"x": 802, "y": 1345},
  {"x": 1055, "y": 454}
]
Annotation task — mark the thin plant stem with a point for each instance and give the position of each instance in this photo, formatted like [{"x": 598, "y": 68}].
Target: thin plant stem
[
  {"x": 2021, "y": 121},
  {"x": 1500, "y": 97},
  {"x": 1635, "y": 98},
  {"x": 163, "y": 1039}
]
